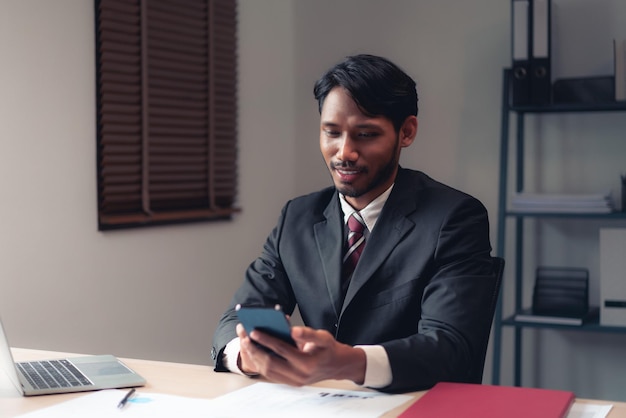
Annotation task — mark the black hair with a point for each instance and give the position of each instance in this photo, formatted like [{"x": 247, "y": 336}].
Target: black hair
[{"x": 378, "y": 87}]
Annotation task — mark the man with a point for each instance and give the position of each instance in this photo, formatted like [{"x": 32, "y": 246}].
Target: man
[{"x": 416, "y": 308}]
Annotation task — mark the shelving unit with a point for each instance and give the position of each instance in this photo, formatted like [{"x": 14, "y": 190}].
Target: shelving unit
[{"x": 504, "y": 213}]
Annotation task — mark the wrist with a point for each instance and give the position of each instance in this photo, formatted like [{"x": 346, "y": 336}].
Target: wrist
[
  {"x": 243, "y": 369},
  {"x": 354, "y": 364}
]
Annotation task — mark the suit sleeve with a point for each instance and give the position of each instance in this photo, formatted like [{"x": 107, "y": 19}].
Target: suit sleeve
[
  {"x": 265, "y": 284},
  {"x": 455, "y": 310}
]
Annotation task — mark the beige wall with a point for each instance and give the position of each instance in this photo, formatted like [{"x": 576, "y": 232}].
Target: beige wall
[{"x": 157, "y": 293}]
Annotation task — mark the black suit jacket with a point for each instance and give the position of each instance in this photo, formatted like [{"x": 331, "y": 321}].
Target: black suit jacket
[{"x": 422, "y": 288}]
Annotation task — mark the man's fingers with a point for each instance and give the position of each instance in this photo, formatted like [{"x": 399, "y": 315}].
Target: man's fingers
[
  {"x": 274, "y": 344},
  {"x": 241, "y": 331},
  {"x": 309, "y": 347},
  {"x": 306, "y": 336}
]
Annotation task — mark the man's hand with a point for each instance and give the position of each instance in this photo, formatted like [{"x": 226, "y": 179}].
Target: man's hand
[{"x": 318, "y": 357}]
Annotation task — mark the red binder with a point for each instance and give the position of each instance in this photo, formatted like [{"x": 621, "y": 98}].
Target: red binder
[{"x": 467, "y": 400}]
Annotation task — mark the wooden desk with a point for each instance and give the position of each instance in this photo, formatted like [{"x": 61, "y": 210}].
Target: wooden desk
[{"x": 185, "y": 380}]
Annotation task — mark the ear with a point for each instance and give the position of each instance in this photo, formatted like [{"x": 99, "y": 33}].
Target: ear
[{"x": 408, "y": 131}]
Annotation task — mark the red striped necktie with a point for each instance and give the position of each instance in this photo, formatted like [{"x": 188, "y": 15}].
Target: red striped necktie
[{"x": 355, "y": 245}]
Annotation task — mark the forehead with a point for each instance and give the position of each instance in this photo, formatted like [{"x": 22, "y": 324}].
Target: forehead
[{"x": 339, "y": 108}]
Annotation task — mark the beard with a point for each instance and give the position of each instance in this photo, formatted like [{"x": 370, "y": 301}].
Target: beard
[{"x": 382, "y": 176}]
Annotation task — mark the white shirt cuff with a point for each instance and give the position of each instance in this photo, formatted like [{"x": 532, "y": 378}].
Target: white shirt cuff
[
  {"x": 377, "y": 370},
  {"x": 231, "y": 354}
]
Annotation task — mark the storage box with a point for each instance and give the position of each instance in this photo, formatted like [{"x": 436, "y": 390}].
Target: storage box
[{"x": 613, "y": 276}]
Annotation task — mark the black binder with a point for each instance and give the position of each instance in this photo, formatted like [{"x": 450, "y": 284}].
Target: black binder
[
  {"x": 520, "y": 47},
  {"x": 540, "y": 74}
]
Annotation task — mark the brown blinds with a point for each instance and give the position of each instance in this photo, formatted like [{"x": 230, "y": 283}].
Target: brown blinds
[{"x": 167, "y": 111}]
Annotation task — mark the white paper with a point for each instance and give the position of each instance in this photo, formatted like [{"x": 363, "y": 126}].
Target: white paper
[
  {"x": 268, "y": 399},
  {"x": 563, "y": 203},
  {"x": 587, "y": 410},
  {"x": 258, "y": 400}
]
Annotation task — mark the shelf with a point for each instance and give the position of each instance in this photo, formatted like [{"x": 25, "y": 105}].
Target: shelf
[
  {"x": 506, "y": 211},
  {"x": 612, "y": 215},
  {"x": 571, "y": 107},
  {"x": 592, "y": 326}
]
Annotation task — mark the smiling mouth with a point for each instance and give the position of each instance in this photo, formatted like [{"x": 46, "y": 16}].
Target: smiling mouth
[
  {"x": 347, "y": 175},
  {"x": 347, "y": 171}
]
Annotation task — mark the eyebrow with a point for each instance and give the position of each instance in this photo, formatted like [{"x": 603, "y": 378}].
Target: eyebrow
[{"x": 358, "y": 126}]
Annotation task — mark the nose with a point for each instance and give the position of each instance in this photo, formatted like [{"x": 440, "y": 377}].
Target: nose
[{"x": 347, "y": 150}]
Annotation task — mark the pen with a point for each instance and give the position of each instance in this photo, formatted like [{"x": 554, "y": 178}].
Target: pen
[{"x": 126, "y": 398}]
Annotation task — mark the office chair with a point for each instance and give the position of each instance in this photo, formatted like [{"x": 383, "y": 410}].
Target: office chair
[{"x": 498, "y": 270}]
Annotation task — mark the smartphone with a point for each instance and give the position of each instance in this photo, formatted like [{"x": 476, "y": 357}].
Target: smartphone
[{"x": 271, "y": 321}]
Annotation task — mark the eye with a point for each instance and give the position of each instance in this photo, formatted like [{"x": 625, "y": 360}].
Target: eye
[
  {"x": 331, "y": 133},
  {"x": 368, "y": 134}
]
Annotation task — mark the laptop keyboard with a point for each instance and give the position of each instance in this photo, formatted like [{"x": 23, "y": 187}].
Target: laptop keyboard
[{"x": 53, "y": 374}]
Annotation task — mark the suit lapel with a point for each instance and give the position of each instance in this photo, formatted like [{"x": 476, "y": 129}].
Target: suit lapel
[
  {"x": 391, "y": 227},
  {"x": 329, "y": 238}
]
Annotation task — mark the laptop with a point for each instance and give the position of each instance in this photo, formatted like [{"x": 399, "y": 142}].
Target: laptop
[{"x": 65, "y": 375}]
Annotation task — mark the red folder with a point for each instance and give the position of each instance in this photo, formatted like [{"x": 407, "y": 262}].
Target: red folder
[{"x": 467, "y": 400}]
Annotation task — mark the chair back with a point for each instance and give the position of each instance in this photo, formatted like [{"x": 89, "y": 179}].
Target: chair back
[{"x": 498, "y": 271}]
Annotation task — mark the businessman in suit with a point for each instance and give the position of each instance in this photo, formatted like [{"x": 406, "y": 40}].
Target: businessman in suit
[{"x": 415, "y": 309}]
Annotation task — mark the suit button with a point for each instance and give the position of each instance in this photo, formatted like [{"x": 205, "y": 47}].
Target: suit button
[{"x": 335, "y": 325}]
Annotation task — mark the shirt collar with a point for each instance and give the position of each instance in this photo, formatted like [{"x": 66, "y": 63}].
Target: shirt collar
[{"x": 370, "y": 212}]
